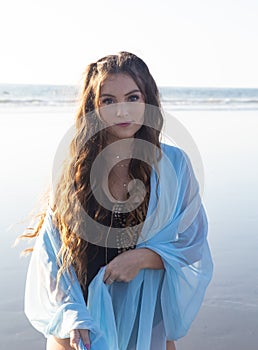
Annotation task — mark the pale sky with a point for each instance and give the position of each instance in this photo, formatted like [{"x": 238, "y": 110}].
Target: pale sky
[{"x": 206, "y": 43}]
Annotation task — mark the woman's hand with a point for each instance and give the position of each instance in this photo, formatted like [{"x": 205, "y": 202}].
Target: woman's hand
[
  {"x": 124, "y": 267},
  {"x": 75, "y": 336}
]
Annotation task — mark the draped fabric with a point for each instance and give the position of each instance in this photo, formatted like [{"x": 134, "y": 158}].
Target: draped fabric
[{"x": 125, "y": 316}]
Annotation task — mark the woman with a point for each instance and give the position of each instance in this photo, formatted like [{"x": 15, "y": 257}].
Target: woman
[{"x": 125, "y": 230}]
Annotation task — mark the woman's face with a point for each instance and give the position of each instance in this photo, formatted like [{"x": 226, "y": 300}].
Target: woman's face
[{"x": 121, "y": 106}]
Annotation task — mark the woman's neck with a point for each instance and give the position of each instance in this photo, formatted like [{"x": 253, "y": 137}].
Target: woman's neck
[{"x": 117, "y": 157}]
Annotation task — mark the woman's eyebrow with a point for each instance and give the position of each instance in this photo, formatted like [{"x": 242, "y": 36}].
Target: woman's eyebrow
[
  {"x": 128, "y": 93},
  {"x": 131, "y": 92},
  {"x": 107, "y": 95}
]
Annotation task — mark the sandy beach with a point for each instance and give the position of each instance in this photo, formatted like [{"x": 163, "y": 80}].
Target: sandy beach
[{"x": 227, "y": 142}]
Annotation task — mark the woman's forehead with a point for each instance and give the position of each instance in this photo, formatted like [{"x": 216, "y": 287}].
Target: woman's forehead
[{"x": 118, "y": 83}]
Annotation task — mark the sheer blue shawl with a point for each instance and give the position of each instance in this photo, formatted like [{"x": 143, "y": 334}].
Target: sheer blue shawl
[{"x": 175, "y": 228}]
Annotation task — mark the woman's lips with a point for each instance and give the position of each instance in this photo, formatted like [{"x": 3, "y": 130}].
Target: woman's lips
[{"x": 124, "y": 124}]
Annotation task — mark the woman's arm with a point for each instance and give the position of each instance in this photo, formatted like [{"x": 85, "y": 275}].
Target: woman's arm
[
  {"x": 125, "y": 266},
  {"x": 148, "y": 259}
]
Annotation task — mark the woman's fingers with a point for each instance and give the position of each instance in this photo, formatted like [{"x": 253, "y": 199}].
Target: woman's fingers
[
  {"x": 108, "y": 280},
  {"x": 85, "y": 338},
  {"x": 76, "y": 335},
  {"x": 75, "y": 339}
]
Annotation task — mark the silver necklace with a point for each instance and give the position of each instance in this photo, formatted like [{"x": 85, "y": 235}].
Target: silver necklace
[{"x": 123, "y": 164}]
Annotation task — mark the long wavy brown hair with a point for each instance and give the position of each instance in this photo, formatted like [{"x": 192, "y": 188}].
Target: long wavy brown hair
[{"x": 73, "y": 190}]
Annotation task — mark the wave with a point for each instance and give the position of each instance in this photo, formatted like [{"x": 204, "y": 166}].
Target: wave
[
  {"x": 171, "y": 97},
  {"x": 172, "y": 103},
  {"x": 225, "y": 103},
  {"x": 36, "y": 101},
  {"x": 209, "y": 101}
]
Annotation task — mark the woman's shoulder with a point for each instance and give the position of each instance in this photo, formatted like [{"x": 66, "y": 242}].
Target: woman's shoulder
[{"x": 174, "y": 153}]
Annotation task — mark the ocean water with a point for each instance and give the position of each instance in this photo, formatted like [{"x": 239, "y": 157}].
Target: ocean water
[
  {"x": 31, "y": 127},
  {"x": 180, "y": 98}
]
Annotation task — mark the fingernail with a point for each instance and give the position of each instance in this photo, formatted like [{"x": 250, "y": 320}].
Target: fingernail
[{"x": 87, "y": 346}]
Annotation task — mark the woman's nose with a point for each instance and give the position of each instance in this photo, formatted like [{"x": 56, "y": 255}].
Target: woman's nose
[{"x": 122, "y": 110}]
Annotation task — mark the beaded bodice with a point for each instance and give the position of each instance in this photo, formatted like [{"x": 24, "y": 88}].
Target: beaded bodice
[{"x": 125, "y": 239}]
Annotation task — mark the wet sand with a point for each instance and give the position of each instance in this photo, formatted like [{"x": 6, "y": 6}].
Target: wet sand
[{"x": 228, "y": 145}]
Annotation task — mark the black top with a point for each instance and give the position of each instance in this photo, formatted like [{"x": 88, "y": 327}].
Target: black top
[{"x": 99, "y": 255}]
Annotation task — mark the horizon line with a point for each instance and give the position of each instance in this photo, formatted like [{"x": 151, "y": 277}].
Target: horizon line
[{"x": 159, "y": 86}]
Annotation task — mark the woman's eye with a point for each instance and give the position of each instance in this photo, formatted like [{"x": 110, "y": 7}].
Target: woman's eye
[
  {"x": 133, "y": 98},
  {"x": 107, "y": 101}
]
